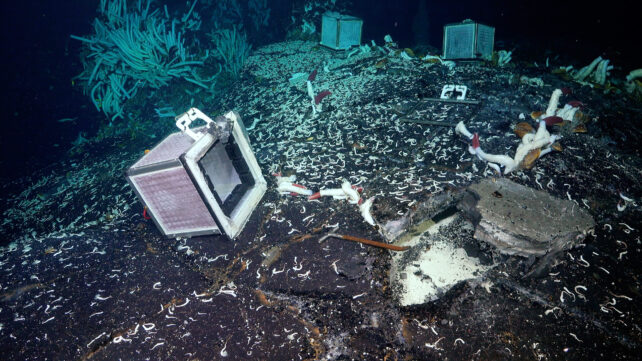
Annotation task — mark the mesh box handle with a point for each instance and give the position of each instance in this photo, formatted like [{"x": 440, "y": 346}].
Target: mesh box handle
[{"x": 184, "y": 120}]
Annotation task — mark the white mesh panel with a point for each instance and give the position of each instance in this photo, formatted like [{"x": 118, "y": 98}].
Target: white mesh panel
[
  {"x": 329, "y": 31},
  {"x": 174, "y": 201},
  {"x": 459, "y": 41},
  {"x": 350, "y": 33},
  {"x": 169, "y": 149},
  {"x": 485, "y": 40}
]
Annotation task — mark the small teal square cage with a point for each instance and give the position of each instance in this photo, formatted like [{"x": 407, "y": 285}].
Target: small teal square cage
[
  {"x": 340, "y": 32},
  {"x": 468, "y": 40}
]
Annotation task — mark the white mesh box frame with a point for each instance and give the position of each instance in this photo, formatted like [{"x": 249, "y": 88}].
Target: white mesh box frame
[
  {"x": 340, "y": 32},
  {"x": 468, "y": 40},
  {"x": 196, "y": 183}
]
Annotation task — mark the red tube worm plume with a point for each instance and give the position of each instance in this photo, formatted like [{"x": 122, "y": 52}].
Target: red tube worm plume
[
  {"x": 145, "y": 213},
  {"x": 553, "y": 120},
  {"x": 316, "y": 195},
  {"x": 567, "y": 91},
  {"x": 320, "y": 96},
  {"x": 576, "y": 104},
  {"x": 312, "y": 75},
  {"x": 475, "y": 141}
]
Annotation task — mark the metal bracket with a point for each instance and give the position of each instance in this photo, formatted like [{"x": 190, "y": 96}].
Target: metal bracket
[{"x": 184, "y": 120}]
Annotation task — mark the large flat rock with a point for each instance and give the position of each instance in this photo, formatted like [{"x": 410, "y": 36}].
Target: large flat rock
[{"x": 524, "y": 221}]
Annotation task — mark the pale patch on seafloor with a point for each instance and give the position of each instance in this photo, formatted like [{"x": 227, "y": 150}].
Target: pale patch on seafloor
[{"x": 429, "y": 273}]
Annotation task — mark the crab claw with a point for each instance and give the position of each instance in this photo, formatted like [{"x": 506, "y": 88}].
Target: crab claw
[{"x": 475, "y": 141}]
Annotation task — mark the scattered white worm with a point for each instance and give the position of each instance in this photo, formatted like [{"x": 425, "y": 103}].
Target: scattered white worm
[
  {"x": 184, "y": 304},
  {"x": 97, "y": 337},
  {"x": 575, "y": 337}
]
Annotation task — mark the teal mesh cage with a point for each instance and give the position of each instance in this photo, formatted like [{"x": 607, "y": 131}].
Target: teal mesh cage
[
  {"x": 468, "y": 40},
  {"x": 340, "y": 32}
]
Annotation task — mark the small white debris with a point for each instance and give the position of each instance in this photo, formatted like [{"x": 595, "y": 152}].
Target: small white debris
[
  {"x": 101, "y": 298},
  {"x": 184, "y": 304},
  {"x": 223, "y": 350}
]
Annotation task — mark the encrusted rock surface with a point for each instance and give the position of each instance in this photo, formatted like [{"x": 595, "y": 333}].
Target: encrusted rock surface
[{"x": 521, "y": 220}]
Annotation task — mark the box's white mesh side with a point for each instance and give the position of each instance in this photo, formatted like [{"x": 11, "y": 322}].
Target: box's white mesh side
[
  {"x": 485, "y": 40},
  {"x": 459, "y": 41},
  {"x": 329, "y": 31},
  {"x": 174, "y": 201},
  {"x": 170, "y": 148},
  {"x": 350, "y": 33}
]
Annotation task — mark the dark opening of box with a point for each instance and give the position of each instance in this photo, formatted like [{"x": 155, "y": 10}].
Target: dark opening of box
[{"x": 228, "y": 175}]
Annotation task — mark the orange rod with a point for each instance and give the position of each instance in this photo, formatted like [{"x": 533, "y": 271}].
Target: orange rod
[{"x": 374, "y": 243}]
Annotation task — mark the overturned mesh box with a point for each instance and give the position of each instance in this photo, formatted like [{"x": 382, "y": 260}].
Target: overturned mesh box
[
  {"x": 340, "y": 32},
  {"x": 468, "y": 40},
  {"x": 200, "y": 181}
]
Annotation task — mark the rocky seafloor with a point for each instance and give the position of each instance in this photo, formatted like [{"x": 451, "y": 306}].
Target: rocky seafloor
[{"x": 85, "y": 276}]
